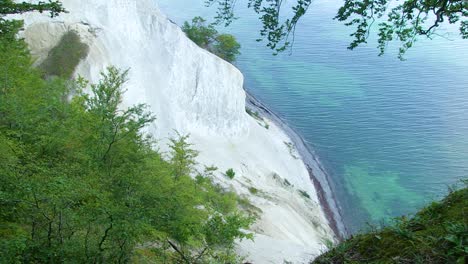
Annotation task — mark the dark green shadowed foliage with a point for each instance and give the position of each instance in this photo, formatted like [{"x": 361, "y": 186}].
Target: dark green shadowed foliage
[
  {"x": 436, "y": 234},
  {"x": 63, "y": 58}
]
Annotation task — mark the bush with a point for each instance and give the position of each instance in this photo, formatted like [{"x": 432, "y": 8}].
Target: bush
[
  {"x": 63, "y": 58},
  {"x": 436, "y": 234},
  {"x": 227, "y": 47},
  {"x": 230, "y": 173},
  {"x": 203, "y": 35},
  {"x": 207, "y": 37},
  {"x": 253, "y": 190}
]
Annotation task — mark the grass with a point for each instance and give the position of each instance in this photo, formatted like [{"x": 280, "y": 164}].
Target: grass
[
  {"x": 63, "y": 58},
  {"x": 436, "y": 234}
]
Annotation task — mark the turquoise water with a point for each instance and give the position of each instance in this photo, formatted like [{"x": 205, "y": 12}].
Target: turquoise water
[{"x": 392, "y": 135}]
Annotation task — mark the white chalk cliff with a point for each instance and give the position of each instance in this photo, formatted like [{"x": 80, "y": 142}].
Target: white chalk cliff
[{"x": 192, "y": 91}]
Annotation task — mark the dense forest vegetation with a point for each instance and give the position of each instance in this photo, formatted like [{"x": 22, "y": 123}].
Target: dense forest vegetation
[
  {"x": 81, "y": 183},
  {"x": 436, "y": 234}
]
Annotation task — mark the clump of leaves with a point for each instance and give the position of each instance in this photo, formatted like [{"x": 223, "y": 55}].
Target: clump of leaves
[
  {"x": 404, "y": 22},
  {"x": 230, "y": 173},
  {"x": 9, "y": 27},
  {"x": 457, "y": 236}
]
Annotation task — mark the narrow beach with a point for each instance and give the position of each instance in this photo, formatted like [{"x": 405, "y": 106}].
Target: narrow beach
[{"x": 318, "y": 175}]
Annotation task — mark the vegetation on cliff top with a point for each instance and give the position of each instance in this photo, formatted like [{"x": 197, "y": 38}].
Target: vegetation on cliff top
[
  {"x": 436, "y": 234},
  {"x": 207, "y": 37}
]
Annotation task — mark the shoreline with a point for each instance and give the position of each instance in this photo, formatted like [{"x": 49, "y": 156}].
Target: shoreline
[{"x": 318, "y": 176}]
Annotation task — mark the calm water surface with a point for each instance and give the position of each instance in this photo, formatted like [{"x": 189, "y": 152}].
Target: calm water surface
[{"x": 392, "y": 135}]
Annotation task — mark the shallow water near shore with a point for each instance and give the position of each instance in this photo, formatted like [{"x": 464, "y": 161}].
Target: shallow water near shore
[{"x": 392, "y": 135}]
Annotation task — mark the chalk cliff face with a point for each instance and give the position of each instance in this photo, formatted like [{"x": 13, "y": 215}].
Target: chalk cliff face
[{"x": 192, "y": 91}]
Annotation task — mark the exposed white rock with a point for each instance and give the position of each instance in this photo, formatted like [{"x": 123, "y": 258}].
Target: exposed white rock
[{"x": 193, "y": 91}]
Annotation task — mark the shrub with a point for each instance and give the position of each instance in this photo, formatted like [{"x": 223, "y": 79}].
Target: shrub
[
  {"x": 253, "y": 190},
  {"x": 226, "y": 47},
  {"x": 203, "y": 35},
  {"x": 207, "y": 37},
  {"x": 63, "y": 58},
  {"x": 436, "y": 234},
  {"x": 230, "y": 173}
]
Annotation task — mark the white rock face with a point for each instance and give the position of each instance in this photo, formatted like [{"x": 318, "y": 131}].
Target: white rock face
[{"x": 194, "y": 92}]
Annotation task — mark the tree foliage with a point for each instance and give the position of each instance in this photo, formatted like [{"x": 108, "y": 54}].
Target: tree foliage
[
  {"x": 81, "y": 183},
  {"x": 226, "y": 47},
  {"x": 199, "y": 32},
  {"x": 403, "y": 22},
  {"x": 396, "y": 21},
  {"x": 7, "y": 7},
  {"x": 207, "y": 37}
]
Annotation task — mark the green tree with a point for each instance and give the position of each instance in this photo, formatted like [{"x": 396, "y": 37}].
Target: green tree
[
  {"x": 199, "y": 32},
  {"x": 207, "y": 37},
  {"x": 226, "y": 47}
]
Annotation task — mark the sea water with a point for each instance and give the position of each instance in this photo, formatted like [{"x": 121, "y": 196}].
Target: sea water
[{"x": 392, "y": 134}]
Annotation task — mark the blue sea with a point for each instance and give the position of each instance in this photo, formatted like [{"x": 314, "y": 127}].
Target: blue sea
[{"x": 392, "y": 135}]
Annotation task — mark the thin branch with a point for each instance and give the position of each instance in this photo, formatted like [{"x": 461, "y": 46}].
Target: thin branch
[{"x": 178, "y": 251}]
